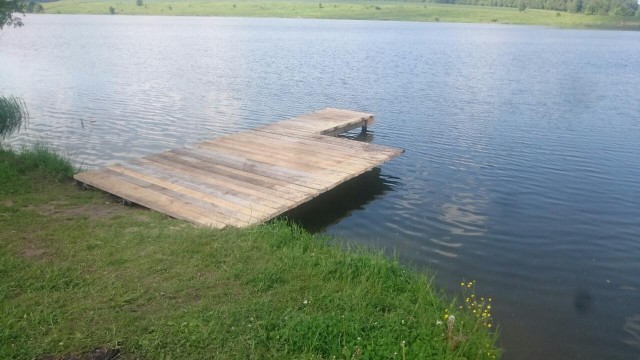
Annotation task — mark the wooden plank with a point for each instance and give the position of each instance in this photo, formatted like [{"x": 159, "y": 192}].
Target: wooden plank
[
  {"x": 329, "y": 119},
  {"x": 269, "y": 139},
  {"x": 335, "y": 115},
  {"x": 149, "y": 198},
  {"x": 276, "y": 156},
  {"x": 302, "y": 197},
  {"x": 325, "y": 127},
  {"x": 279, "y": 128},
  {"x": 311, "y": 172},
  {"x": 204, "y": 168},
  {"x": 262, "y": 168},
  {"x": 209, "y": 186},
  {"x": 338, "y": 180},
  {"x": 320, "y": 123},
  {"x": 226, "y": 199},
  {"x": 346, "y": 112},
  {"x": 365, "y": 148},
  {"x": 321, "y": 157},
  {"x": 331, "y": 154},
  {"x": 224, "y": 182},
  {"x": 258, "y": 167},
  {"x": 346, "y": 147},
  {"x": 222, "y": 213}
]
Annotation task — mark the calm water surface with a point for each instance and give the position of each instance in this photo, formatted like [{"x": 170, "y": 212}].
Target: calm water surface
[{"x": 522, "y": 168}]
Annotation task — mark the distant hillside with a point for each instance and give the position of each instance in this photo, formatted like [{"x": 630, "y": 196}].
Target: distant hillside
[
  {"x": 588, "y": 7},
  {"x": 413, "y": 10}
]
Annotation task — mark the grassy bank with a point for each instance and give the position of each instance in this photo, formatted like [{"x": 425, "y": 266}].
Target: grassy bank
[
  {"x": 82, "y": 274},
  {"x": 346, "y": 10}
]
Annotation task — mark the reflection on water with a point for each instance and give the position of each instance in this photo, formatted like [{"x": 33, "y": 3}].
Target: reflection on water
[
  {"x": 358, "y": 135},
  {"x": 632, "y": 328},
  {"x": 466, "y": 214},
  {"x": 522, "y": 155}
]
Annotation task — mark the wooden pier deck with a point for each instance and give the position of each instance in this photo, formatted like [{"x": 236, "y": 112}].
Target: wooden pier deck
[{"x": 248, "y": 177}]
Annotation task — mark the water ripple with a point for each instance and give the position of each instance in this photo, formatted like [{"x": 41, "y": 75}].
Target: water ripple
[{"x": 522, "y": 161}]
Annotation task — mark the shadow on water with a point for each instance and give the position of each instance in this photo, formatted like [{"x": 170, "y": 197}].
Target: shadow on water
[
  {"x": 338, "y": 203},
  {"x": 582, "y": 301},
  {"x": 364, "y": 136}
]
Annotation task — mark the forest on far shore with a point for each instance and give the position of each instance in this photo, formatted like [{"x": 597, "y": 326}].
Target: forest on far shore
[{"x": 588, "y": 7}]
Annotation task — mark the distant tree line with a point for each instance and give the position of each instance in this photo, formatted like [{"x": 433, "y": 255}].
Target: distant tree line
[
  {"x": 589, "y": 7},
  {"x": 34, "y": 7}
]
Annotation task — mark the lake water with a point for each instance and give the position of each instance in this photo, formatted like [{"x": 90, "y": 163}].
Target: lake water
[{"x": 522, "y": 163}]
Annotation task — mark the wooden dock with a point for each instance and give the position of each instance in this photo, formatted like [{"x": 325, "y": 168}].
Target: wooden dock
[{"x": 248, "y": 177}]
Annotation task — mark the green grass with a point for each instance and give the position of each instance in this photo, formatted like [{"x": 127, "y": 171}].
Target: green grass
[
  {"x": 402, "y": 11},
  {"x": 37, "y": 162},
  {"x": 79, "y": 271}
]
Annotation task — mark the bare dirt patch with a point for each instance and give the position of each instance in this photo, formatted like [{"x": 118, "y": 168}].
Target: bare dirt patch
[
  {"x": 91, "y": 211},
  {"x": 32, "y": 252},
  {"x": 32, "y": 247}
]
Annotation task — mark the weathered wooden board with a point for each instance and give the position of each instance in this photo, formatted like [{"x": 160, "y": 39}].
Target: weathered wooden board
[{"x": 250, "y": 177}]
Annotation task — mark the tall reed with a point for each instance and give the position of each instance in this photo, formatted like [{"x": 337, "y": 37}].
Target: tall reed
[{"x": 13, "y": 113}]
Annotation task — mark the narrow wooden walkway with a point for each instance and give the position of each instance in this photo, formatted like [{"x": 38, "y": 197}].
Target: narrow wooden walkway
[{"x": 249, "y": 177}]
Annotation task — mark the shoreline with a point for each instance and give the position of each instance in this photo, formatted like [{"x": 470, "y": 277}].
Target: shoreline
[
  {"x": 85, "y": 275},
  {"x": 404, "y": 12}
]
